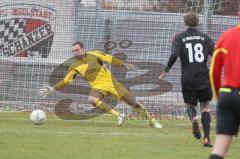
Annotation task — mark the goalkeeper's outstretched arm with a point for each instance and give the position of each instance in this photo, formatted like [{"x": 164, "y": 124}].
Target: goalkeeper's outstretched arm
[
  {"x": 46, "y": 90},
  {"x": 113, "y": 60}
]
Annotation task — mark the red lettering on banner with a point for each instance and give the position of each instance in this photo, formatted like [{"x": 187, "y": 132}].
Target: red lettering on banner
[{"x": 31, "y": 12}]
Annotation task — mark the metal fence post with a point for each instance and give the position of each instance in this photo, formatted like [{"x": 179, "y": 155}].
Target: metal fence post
[{"x": 207, "y": 14}]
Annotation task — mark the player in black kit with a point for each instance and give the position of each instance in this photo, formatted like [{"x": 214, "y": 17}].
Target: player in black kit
[{"x": 193, "y": 48}]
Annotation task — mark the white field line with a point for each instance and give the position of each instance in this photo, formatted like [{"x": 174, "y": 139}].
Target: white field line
[
  {"x": 96, "y": 133},
  {"x": 91, "y": 121},
  {"x": 101, "y": 121}
]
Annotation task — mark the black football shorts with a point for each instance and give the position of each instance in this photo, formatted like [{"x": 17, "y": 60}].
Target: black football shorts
[
  {"x": 228, "y": 111},
  {"x": 192, "y": 96}
]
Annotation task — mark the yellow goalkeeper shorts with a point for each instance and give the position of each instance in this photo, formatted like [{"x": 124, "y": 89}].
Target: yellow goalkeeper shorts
[{"x": 111, "y": 88}]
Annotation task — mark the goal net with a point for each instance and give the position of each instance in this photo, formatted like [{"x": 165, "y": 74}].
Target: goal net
[{"x": 36, "y": 38}]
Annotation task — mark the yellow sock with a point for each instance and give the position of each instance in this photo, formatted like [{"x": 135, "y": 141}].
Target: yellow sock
[
  {"x": 140, "y": 108},
  {"x": 107, "y": 109}
]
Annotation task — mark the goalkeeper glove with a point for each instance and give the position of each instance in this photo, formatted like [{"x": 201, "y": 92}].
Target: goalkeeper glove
[
  {"x": 130, "y": 66},
  {"x": 45, "y": 91}
]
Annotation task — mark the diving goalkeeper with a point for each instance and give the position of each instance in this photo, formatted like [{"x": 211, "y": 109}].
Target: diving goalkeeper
[{"x": 89, "y": 65}]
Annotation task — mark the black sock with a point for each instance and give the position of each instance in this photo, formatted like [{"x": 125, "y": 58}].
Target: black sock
[
  {"x": 191, "y": 112},
  {"x": 206, "y": 120},
  {"x": 212, "y": 156}
]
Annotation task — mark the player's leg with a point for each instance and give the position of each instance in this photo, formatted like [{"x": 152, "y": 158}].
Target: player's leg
[
  {"x": 121, "y": 93},
  {"x": 206, "y": 121},
  {"x": 221, "y": 146},
  {"x": 205, "y": 96},
  {"x": 192, "y": 114},
  {"x": 190, "y": 99},
  {"x": 95, "y": 98},
  {"x": 191, "y": 111},
  {"x": 130, "y": 99},
  {"x": 228, "y": 121}
]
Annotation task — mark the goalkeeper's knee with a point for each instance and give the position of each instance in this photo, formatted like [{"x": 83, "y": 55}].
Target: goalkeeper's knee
[
  {"x": 101, "y": 105},
  {"x": 93, "y": 100}
]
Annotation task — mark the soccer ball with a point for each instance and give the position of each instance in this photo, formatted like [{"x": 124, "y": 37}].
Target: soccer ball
[{"x": 38, "y": 117}]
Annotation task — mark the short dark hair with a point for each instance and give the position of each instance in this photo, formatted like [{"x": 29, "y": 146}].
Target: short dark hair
[
  {"x": 78, "y": 43},
  {"x": 191, "y": 19}
]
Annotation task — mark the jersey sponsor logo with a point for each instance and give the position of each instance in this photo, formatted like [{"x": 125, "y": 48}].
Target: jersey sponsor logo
[
  {"x": 90, "y": 71},
  {"x": 26, "y": 30}
]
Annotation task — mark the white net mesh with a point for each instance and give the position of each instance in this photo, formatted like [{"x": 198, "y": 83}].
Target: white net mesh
[{"x": 139, "y": 32}]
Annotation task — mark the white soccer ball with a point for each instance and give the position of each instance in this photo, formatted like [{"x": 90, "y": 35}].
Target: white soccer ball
[{"x": 38, "y": 117}]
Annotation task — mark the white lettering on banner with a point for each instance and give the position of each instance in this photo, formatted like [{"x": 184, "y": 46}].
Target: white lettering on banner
[
  {"x": 28, "y": 40},
  {"x": 27, "y": 11}
]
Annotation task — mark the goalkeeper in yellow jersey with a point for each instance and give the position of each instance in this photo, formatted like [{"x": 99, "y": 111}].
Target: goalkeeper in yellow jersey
[{"x": 89, "y": 65}]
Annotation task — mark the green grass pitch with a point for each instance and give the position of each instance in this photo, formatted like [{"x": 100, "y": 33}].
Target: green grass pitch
[{"x": 100, "y": 138}]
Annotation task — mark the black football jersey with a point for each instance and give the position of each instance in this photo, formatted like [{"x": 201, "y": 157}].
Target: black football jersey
[{"x": 193, "y": 48}]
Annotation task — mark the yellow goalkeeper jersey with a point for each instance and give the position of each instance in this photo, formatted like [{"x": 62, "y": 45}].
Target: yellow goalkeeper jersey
[{"x": 91, "y": 68}]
